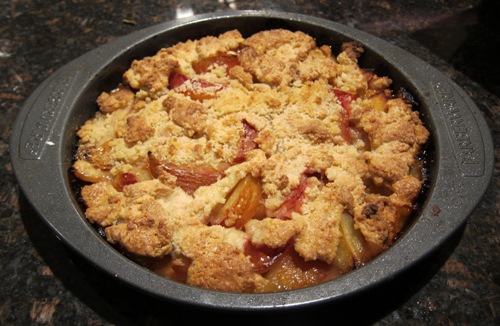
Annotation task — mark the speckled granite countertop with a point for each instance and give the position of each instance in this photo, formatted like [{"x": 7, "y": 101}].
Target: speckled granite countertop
[{"x": 43, "y": 283}]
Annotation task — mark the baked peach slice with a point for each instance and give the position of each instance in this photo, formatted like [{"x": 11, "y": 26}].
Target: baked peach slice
[
  {"x": 244, "y": 202},
  {"x": 291, "y": 271},
  {"x": 353, "y": 250},
  {"x": 378, "y": 101},
  {"x": 188, "y": 177}
]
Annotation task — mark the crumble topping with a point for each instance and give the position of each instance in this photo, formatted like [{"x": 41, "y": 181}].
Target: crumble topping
[{"x": 251, "y": 164}]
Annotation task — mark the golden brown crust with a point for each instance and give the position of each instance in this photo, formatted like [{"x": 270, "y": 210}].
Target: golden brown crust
[
  {"x": 389, "y": 162},
  {"x": 188, "y": 114},
  {"x": 121, "y": 98},
  {"x": 218, "y": 260},
  {"x": 138, "y": 129},
  {"x": 272, "y": 57},
  {"x": 399, "y": 123},
  {"x": 323, "y": 137},
  {"x": 144, "y": 232},
  {"x": 319, "y": 226},
  {"x": 104, "y": 203},
  {"x": 378, "y": 220},
  {"x": 133, "y": 218},
  {"x": 151, "y": 74},
  {"x": 272, "y": 232}
]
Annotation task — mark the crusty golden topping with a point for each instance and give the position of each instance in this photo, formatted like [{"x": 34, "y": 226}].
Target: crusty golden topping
[{"x": 251, "y": 164}]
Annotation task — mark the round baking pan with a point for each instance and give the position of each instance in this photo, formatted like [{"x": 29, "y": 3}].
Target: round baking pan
[{"x": 459, "y": 157}]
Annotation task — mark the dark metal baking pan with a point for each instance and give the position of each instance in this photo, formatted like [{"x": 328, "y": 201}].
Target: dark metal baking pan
[{"x": 460, "y": 158}]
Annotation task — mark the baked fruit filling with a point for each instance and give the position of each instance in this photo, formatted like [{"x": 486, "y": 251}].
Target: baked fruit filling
[{"x": 255, "y": 164}]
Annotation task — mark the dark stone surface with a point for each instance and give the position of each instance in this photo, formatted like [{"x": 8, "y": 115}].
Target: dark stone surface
[{"x": 43, "y": 283}]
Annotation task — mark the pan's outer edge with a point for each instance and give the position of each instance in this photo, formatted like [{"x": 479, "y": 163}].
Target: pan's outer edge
[{"x": 41, "y": 134}]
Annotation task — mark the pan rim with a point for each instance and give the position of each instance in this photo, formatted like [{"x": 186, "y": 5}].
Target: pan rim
[{"x": 397, "y": 259}]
